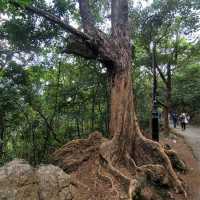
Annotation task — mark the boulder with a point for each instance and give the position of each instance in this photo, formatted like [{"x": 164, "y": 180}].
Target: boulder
[{"x": 20, "y": 181}]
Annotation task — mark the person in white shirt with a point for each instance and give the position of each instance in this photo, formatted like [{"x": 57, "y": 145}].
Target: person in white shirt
[{"x": 183, "y": 121}]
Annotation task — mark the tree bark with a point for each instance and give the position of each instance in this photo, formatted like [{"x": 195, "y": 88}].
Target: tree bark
[
  {"x": 2, "y": 130},
  {"x": 167, "y": 108},
  {"x": 78, "y": 128},
  {"x": 87, "y": 18},
  {"x": 123, "y": 125},
  {"x": 123, "y": 122}
]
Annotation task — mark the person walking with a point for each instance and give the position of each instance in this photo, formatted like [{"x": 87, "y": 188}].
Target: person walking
[
  {"x": 174, "y": 119},
  {"x": 188, "y": 118},
  {"x": 183, "y": 121}
]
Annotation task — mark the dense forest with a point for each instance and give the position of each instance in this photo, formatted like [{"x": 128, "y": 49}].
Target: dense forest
[{"x": 67, "y": 69}]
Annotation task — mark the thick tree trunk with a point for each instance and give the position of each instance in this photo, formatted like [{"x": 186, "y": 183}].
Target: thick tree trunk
[
  {"x": 123, "y": 125},
  {"x": 123, "y": 122}
]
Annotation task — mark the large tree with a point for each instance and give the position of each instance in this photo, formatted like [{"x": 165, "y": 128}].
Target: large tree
[{"x": 129, "y": 160}]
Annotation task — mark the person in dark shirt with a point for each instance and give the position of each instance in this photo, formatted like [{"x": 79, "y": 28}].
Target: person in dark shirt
[{"x": 174, "y": 119}]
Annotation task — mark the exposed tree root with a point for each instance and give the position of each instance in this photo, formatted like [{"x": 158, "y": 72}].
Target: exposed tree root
[
  {"x": 157, "y": 155},
  {"x": 127, "y": 175},
  {"x": 177, "y": 164},
  {"x": 74, "y": 153}
]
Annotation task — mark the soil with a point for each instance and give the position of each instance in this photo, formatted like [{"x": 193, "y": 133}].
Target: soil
[{"x": 192, "y": 177}]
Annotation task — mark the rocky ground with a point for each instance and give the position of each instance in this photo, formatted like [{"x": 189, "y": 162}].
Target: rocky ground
[{"x": 20, "y": 181}]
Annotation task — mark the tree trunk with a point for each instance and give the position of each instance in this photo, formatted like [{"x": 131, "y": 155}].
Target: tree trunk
[
  {"x": 123, "y": 123},
  {"x": 107, "y": 117},
  {"x": 166, "y": 120},
  {"x": 168, "y": 100},
  {"x": 93, "y": 111},
  {"x": 167, "y": 111},
  {"x": 78, "y": 128},
  {"x": 2, "y": 129}
]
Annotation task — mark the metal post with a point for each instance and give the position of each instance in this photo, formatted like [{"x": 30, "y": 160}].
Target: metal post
[{"x": 155, "y": 115}]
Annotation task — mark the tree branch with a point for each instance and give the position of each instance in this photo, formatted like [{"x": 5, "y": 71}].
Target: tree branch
[
  {"x": 119, "y": 14},
  {"x": 175, "y": 50},
  {"x": 86, "y": 16},
  {"x": 164, "y": 34},
  {"x": 79, "y": 53},
  {"x": 162, "y": 104},
  {"x": 97, "y": 43},
  {"x": 52, "y": 18},
  {"x": 119, "y": 11},
  {"x": 156, "y": 64},
  {"x": 77, "y": 46},
  {"x": 49, "y": 126},
  {"x": 161, "y": 74}
]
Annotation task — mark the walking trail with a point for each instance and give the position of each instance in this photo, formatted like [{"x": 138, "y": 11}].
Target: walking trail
[{"x": 192, "y": 137}]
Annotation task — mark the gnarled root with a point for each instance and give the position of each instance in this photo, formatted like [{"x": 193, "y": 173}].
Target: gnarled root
[
  {"x": 155, "y": 154},
  {"x": 149, "y": 161},
  {"x": 73, "y": 154},
  {"x": 176, "y": 162},
  {"x": 126, "y": 174},
  {"x": 125, "y": 186}
]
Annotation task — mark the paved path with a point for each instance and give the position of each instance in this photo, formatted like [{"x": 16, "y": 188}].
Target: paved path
[{"x": 192, "y": 137}]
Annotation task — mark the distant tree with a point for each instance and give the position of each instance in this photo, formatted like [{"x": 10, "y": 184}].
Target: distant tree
[{"x": 186, "y": 91}]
